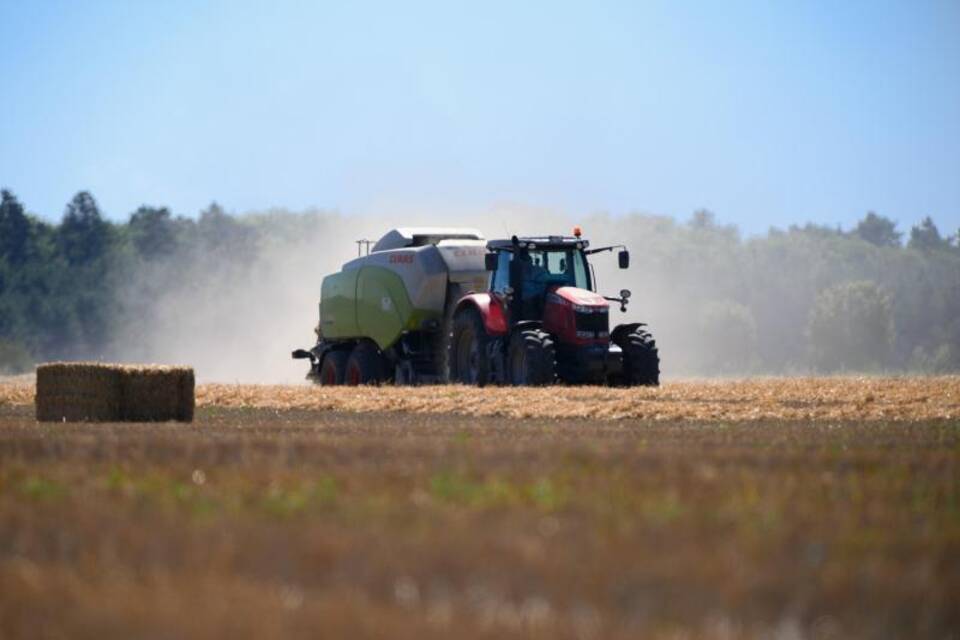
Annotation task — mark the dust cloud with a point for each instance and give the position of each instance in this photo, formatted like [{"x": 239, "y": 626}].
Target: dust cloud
[
  {"x": 235, "y": 317},
  {"x": 716, "y": 303}
]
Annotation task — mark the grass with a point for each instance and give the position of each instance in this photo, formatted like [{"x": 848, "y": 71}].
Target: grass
[{"x": 296, "y": 523}]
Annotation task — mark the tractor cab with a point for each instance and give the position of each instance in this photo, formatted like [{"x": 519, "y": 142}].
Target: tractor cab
[{"x": 524, "y": 271}]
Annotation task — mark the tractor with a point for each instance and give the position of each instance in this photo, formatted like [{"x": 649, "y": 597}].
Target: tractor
[{"x": 442, "y": 305}]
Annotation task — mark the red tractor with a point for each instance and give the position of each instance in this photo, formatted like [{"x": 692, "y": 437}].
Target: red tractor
[{"x": 541, "y": 321}]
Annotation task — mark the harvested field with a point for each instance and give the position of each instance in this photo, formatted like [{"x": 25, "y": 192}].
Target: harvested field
[
  {"x": 17, "y": 390},
  {"x": 764, "y": 399},
  {"x": 290, "y": 520},
  {"x": 836, "y": 398}
]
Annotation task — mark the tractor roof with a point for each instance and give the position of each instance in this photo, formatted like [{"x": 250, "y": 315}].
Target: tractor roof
[
  {"x": 419, "y": 236},
  {"x": 553, "y": 242}
]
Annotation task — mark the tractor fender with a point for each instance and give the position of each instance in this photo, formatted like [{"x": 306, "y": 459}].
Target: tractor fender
[
  {"x": 490, "y": 310},
  {"x": 623, "y": 329}
]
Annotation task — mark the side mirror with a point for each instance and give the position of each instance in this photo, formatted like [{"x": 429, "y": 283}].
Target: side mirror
[
  {"x": 624, "y": 259},
  {"x": 490, "y": 261},
  {"x": 301, "y": 354},
  {"x": 625, "y": 294}
]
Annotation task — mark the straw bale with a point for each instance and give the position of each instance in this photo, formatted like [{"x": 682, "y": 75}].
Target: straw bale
[
  {"x": 77, "y": 391},
  {"x": 97, "y": 392},
  {"x": 156, "y": 393}
]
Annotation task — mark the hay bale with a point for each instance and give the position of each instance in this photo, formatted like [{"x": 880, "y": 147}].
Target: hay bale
[
  {"x": 156, "y": 393},
  {"x": 77, "y": 391},
  {"x": 96, "y": 392}
]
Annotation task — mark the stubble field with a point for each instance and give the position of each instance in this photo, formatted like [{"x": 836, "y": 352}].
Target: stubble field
[{"x": 768, "y": 508}]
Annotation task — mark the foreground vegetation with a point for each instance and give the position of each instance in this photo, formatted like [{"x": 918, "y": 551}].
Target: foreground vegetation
[{"x": 297, "y": 523}]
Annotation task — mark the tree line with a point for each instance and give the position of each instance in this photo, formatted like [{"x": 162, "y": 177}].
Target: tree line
[
  {"x": 806, "y": 299},
  {"x": 63, "y": 287}
]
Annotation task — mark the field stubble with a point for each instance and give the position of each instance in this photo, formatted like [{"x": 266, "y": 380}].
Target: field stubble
[
  {"x": 831, "y": 399},
  {"x": 270, "y": 517}
]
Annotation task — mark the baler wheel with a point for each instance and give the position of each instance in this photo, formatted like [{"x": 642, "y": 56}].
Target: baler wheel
[
  {"x": 364, "y": 366},
  {"x": 333, "y": 368},
  {"x": 531, "y": 357},
  {"x": 641, "y": 360},
  {"x": 469, "y": 360}
]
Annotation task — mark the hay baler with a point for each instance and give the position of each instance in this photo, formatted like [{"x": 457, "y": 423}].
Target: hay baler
[{"x": 443, "y": 305}]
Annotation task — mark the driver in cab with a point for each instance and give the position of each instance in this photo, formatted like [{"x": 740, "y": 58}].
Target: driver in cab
[{"x": 533, "y": 282}]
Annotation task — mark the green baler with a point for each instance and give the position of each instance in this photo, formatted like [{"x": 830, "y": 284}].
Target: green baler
[{"x": 394, "y": 300}]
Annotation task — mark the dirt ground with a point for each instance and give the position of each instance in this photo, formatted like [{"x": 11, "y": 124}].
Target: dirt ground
[{"x": 273, "y": 516}]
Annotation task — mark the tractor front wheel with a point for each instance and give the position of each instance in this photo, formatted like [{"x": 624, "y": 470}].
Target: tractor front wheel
[
  {"x": 469, "y": 361},
  {"x": 641, "y": 360},
  {"x": 531, "y": 357}
]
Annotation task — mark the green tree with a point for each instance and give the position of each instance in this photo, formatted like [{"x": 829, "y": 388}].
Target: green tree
[
  {"x": 221, "y": 233},
  {"x": 851, "y": 327},
  {"x": 926, "y": 236},
  {"x": 153, "y": 232},
  {"x": 14, "y": 230},
  {"x": 91, "y": 262},
  {"x": 816, "y": 230},
  {"x": 84, "y": 236},
  {"x": 878, "y": 230}
]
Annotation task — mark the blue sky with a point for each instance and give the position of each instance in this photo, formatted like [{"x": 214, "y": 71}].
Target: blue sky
[{"x": 766, "y": 113}]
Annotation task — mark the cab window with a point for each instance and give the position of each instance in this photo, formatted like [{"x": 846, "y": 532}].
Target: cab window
[
  {"x": 501, "y": 277},
  {"x": 564, "y": 267}
]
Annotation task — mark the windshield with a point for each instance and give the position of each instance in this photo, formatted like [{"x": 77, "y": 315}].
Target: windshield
[{"x": 564, "y": 267}]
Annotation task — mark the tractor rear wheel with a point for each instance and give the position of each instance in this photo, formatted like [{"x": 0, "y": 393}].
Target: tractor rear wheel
[
  {"x": 469, "y": 361},
  {"x": 333, "y": 368},
  {"x": 532, "y": 361},
  {"x": 364, "y": 366},
  {"x": 641, "y": 360}
]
